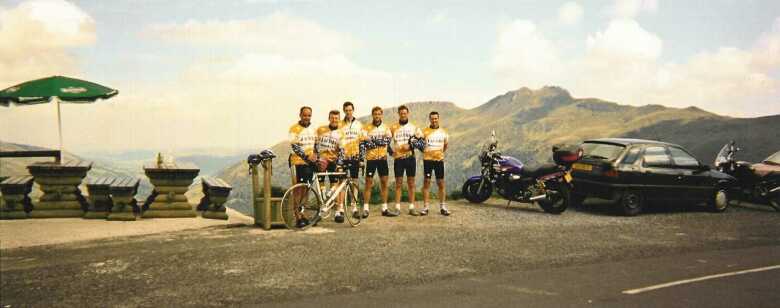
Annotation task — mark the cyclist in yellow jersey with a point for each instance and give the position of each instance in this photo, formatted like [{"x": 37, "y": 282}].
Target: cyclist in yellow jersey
[
  {"x": 378, "y": 137},
  {"x": 353, "y": 154},
  {"x": 329, "y": 146},
  {"x": 302, "y": 140},
  {"x": 403, "y": 158},
  {"x": 436, "y": 142}
]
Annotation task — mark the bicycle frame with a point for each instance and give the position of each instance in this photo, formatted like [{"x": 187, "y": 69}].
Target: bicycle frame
[{"x": 328, "y": 204}]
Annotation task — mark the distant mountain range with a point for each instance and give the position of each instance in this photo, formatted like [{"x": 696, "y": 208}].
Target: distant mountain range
[
  {"x": 529, "y": 122},
  {"x": 18, "y": 166}
]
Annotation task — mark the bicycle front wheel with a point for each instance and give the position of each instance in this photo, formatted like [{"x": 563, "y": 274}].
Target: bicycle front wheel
[
  {"x": 300, "y": 202},
  {"x": 353, "y": 200}
]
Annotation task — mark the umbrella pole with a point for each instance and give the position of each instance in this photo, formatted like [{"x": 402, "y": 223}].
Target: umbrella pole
[{"x": 59, "y": 126}]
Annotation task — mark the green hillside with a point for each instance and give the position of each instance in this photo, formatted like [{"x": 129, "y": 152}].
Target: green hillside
[{"x": 529, "y": 122}]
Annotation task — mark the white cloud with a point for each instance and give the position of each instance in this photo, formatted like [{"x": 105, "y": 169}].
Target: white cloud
[
  {"x": 37, "y": 36},
  {"x": 624, "y": 38},
  {"x": 570, "y": 13},
  {"x": 277, "y": 33},
  {"x": 245, "y": 98},
  {"x": 439, "y": 16},
  {"x": 632, "y": 8},
  {"x": 624, "y": 63},
  {"x": 524, "y": 55}
]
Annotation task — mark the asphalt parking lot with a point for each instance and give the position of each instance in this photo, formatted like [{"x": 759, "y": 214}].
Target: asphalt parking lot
[{"x": 486, "y": 255}]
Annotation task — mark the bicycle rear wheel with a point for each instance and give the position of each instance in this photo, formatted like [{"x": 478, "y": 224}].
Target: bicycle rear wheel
[
  {"x": 353, "y": 199},
  {"x": 305, "y": 206}
]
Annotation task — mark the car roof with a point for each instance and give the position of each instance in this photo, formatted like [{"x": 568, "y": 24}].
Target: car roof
[{"x": 629, "y": 141}]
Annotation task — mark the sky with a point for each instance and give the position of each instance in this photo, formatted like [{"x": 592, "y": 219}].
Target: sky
[{"x": 231, "y": 75}]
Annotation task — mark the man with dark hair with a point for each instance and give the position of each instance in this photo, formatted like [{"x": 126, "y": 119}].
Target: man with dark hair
[
  {"x": 436, "y": 142},
  {"x": 378, "y": 137},
  {"x": 330, "y": 146},
  {"x": 353, "y": 154},
  {"x": 404, "y": 161},
  {"x": 302, "y": 140}
]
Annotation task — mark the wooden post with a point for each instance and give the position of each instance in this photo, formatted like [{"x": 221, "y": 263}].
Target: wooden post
[
  {"x": 255, "y": 194},
  {"x": 267, "y": 168}
]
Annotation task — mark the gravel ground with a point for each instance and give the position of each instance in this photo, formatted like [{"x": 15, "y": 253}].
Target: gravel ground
[{"x": 245, "y": 265}]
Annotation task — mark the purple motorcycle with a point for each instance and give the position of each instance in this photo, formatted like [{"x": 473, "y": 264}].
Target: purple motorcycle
[{"x": 548, "y": 185}]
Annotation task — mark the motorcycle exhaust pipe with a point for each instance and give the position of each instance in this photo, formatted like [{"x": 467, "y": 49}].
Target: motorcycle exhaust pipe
[{"x": 539, "y": 197}]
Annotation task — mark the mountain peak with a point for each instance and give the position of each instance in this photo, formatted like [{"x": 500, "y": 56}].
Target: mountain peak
[{"x": 526, "y": 98}]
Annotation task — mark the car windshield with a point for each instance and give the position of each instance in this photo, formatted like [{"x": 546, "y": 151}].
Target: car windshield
[
  {"x": 774, "y": 159},
  {"x": 606, "y": 151}
]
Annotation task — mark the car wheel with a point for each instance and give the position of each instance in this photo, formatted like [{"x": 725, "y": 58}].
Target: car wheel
[
  {"x": 775, "y": 203},
  {"x": 575, "y": 200},
  {"x": 720, "y": 200},
  {"x": 631, "y": 203}
]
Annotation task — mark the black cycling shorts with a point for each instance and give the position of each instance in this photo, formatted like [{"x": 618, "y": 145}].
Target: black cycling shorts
[
  {"x": 352, "y": 167},
  {"x": 332, "y": 178},
  {"x": 433, "y": 166},
  {"x": 377, "y": 166},
  {"x": 408, "y": 165},
  {"x": 303, "y": 173}
]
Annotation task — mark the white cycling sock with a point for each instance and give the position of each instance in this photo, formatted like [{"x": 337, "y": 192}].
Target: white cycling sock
[
  {"x": 384, "y": 207},
  {"x": 365, "y": 206},
  {"x": 397, "y": 206},
  {"x": 443, "y": 206},
  {"x": 411, "y": 206}
]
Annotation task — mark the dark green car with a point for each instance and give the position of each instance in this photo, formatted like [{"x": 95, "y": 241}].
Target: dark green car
[{"x": 633, "y": 172}]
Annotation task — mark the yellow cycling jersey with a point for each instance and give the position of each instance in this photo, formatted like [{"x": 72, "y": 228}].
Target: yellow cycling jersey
[
  {"x": 304, "y": 137},
  {"x": 353, "y": 134},
  {"x": 375, "y": 133},
  {"x": 401, "y": 135},
  {"x": 329, "y": 142},
  {"x": 435, "y": 139}
]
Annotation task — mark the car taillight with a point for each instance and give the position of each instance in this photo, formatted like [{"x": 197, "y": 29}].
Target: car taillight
[{"x": 611, "y": 173}]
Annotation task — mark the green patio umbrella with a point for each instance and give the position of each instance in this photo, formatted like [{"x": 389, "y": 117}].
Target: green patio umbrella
[{"x": 56, "y": 88}]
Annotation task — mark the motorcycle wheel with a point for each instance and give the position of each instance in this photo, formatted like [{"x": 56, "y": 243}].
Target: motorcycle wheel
[
  {"x": 470, "y": 188},
  {"x": 554, "y": 204}
]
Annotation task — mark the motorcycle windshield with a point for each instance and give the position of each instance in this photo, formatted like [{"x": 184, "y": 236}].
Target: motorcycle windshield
[{"x": 723, "y": 155}]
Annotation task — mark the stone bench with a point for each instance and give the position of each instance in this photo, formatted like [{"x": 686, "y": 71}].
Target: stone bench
[
  {"x": 17, "y": 203},
  {"x": 60, "y": 185},
  {"x": 100, "y": 202},
  {"x": 123, "y": 192},
  {"x": 215, "y": 194}
]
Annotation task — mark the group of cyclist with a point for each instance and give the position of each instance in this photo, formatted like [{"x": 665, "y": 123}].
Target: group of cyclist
[{"x": 348, "y": 145}]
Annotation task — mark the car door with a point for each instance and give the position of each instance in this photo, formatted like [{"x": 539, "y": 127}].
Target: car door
[
  {"x": 658, "y": 175},
  {"x": 693, "y": 181}
]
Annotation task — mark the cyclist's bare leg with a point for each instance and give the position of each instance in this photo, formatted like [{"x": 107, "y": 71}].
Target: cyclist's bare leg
[
  {"x": 298, "y": 195},
  {"x": 442, "y": 193},
  {"x": 367, "y": 190},
  {"x": 398, "y": 189},
  {"x": 410, "y": 187},
  {"x": 383, "y": 188},
  {"x": 426, "y": 191},
  {"x": 340, "y": 200}
]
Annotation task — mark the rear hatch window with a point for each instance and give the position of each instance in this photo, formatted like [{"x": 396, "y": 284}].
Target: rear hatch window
[{"x": 601, "y": 151}]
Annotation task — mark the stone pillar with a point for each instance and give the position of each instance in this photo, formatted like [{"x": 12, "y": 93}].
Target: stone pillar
[
  {"x": 60, "y": 185},
  {"x": 170, "y": 184},
  {"x": 15, "y": 197},
  {"x": 99, "y": 198},
  {"x": 124, "y": 200}
]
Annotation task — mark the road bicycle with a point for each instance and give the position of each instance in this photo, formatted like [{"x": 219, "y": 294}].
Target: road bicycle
[{"x": 314, "y": 204}]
